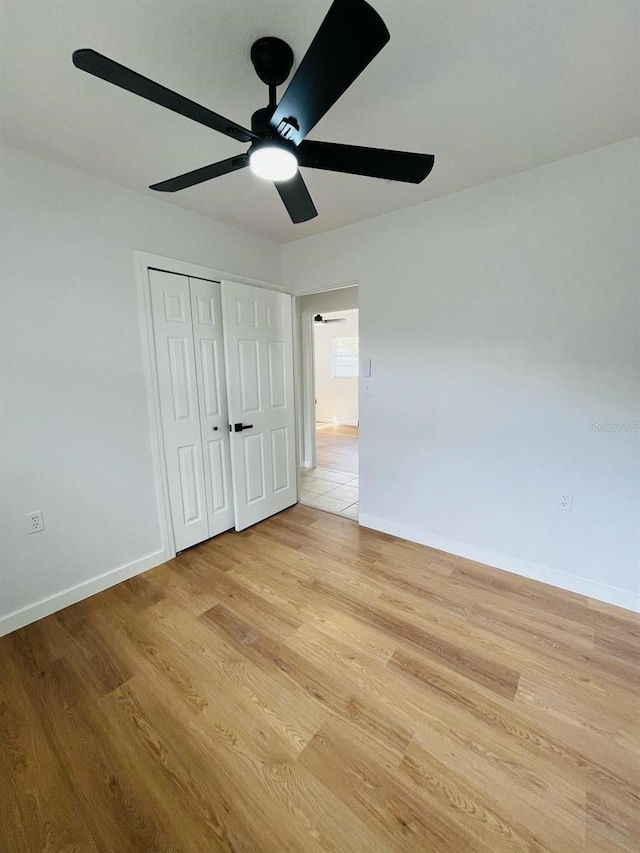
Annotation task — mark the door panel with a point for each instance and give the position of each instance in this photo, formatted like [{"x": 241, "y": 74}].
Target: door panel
[
  {"x": 253, "y": 457},
  {"x": 280, "y": 456},
  {"x": 277, "y": 375},
  {"x": 210, "y": 361},
  {"x": 259, "y": 365},
  {"x": 249, "y": 372},
  {"x": 183, "y": 392},
  {"x": 206, "y": 310},
  {"x": 247, "y": 312},
  {"x": 190, "y": 481},
  {"x": 174, "y": 345},
  {"x": 219, "y": 479}
]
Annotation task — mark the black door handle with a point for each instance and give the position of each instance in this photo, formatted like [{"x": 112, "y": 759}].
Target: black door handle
[{"x": 240, "y": 427}]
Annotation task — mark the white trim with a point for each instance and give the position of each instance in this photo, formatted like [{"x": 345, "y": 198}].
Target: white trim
[
  {"x": 305, "y": 373},
  {"x": 161, "y": 262},
  {"x": 73, "y": 594},
  {"x": 143, "y": 261},
  {"x": 563, "y": 580},
  {"x": 153, "y": 404},
  {"x": 308, "y": 396},
  {"x": 301, "y": 462},
  {"x": 340, "y": 286}
]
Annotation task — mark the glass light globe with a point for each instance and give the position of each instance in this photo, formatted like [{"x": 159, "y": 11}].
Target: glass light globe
[{"x": 273, "y": 163}]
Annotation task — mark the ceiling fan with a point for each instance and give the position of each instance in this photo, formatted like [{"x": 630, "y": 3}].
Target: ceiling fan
[
  {"x": 350, "y": 36},
  {"x": 320, "y": 319}
]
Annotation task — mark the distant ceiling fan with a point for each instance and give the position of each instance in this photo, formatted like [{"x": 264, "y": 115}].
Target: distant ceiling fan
[
  {"x": 350, "y": 36},
  {"x": 320, "y": 319}
]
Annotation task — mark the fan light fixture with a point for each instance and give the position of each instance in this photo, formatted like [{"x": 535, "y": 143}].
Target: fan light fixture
[{"x": 273, "y": 162}]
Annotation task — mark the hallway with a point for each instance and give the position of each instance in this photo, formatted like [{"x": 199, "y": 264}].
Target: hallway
[
  {"x": 337, "y": 447},
  {"x": 333, "y": 484}
]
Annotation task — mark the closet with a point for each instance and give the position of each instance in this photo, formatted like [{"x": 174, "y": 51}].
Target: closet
[{"x": 224, "y": 371}]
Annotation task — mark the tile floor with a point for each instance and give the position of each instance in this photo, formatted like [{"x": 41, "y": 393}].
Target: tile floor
[{"x": 332, "y": 491}]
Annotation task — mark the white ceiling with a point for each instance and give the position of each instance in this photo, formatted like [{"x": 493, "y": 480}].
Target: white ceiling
[{"x": 491, "y": 87}]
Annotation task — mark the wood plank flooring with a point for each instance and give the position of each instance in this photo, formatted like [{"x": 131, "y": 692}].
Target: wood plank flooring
[
  {"x": 307, "y": 686},
  {"x": 337, "y": 448}
]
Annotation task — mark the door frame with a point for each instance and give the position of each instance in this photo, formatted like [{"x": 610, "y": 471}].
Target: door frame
[
  {"x": 143, "y": 261},
  {"x": 305, "y": 374}
]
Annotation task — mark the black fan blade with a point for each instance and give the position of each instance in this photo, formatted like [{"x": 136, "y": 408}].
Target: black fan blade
[
  {"x": 296, "y": 198},
  {"x": 100, "y": 66},
  {"x": 348, "y": 39},
  {"x": 372, "y": 162},
  {"x": 198, "y": 176}
]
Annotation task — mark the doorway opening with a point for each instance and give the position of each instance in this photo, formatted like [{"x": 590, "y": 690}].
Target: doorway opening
[{"x": 330, "y": 423}]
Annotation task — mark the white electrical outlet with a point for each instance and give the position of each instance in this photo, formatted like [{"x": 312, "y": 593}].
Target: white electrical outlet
[
  {"x": 35, "y": 521},
  {"x": 566, "y": 501}
]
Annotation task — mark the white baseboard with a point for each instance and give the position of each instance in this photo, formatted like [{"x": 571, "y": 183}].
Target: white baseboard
[
  {"x": 32, "y": 612},
  {"x": 563, "y": 580}
]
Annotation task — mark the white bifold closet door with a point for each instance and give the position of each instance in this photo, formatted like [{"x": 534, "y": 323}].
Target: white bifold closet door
[
  {"x": 259, "y": 361},
  {"x": 187, "y": 326},
  {"x": 224, "y": 365}
]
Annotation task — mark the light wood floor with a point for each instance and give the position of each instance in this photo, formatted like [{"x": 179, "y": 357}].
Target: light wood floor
[
  {"x": 337, "y": 448},
  {"x": 308, "y": 685}
]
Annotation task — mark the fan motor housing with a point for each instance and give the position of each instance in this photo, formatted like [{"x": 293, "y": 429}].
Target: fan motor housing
[
  {"x": 260, "y": 121},
  {"x": 272, "y": 59}
]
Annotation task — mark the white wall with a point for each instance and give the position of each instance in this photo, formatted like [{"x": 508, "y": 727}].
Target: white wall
[
  {"x": 76, "y": 440},
  {"x": 337, "y": 397},
  {"x": 502, "y": 322}
]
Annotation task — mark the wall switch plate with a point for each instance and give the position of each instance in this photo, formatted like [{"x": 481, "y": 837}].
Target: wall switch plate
[
  {"x": 35, "y": 521},
  {"x": 566, "y": 501},
  {"x": 366, "y": 367}
]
